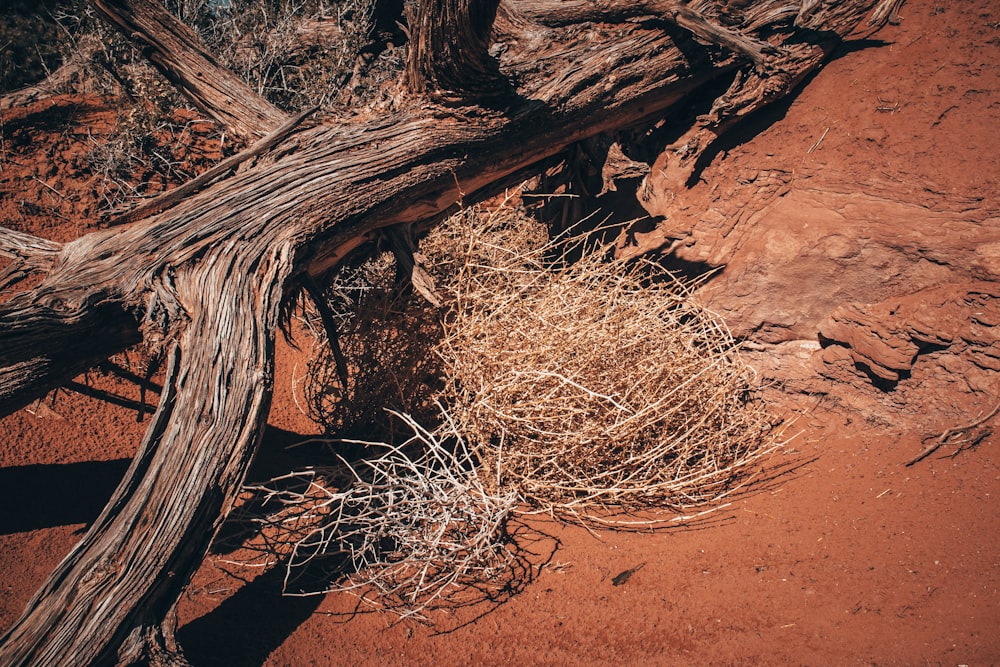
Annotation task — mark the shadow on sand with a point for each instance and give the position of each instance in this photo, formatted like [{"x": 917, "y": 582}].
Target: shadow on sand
[{"x": 44, "y": 496}]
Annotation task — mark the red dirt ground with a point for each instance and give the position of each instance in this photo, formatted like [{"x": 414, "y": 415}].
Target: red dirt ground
[{"x": 851, "y": 557}]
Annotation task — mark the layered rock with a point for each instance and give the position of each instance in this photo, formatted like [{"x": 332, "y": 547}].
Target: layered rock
[{"x": 957, "y": 327}]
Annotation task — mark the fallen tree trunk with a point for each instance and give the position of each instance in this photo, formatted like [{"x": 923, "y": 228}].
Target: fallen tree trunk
[{"x": 204, "y": 282}]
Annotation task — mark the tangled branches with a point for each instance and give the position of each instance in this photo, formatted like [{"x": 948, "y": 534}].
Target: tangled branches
[
  {"x": 595, "y": 383},
  {"x": 408, "y": 529},
  {"x": 388, "y": 342},
  {"x": 571, "y": 383}
]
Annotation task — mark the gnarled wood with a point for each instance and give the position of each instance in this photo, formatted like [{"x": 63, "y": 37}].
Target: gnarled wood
[
  {"x": 449, "y": 51},
  {"x": 179, "y": 55},
  {"x": 30, "y": 254},
  {"x": 205, "y": 280}
]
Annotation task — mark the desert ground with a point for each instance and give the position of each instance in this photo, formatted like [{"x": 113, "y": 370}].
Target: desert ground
[{"x": 858, "y": 224}]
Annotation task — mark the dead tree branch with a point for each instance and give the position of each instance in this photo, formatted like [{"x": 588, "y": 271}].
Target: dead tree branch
[
  {"x": 179, "y": 55},
  {"x": 946, "y": 436}
]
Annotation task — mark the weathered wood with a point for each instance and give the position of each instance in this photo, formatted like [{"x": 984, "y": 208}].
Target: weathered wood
[
  {"x": 206, "y": 279},
  {"x": 181, "y": 192},
  {"x": 60, "y": 79},
  {"x": 177, "y": 52},
  {"x": 30, "y": 254},
  {"x": 449, "y": 51},
  {"x": 750, "y": 16},
  {"x": 695, "y": 17},
  {"x": 337, "y": 184},
  {"x": 887, "y": 11}
]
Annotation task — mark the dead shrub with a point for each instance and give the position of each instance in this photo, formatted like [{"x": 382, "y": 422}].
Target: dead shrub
[
  {"x": 409, "y": 528},
  {"x": 296, "y": 53},
  {"x": 589, "y": 385},
  {"x": 387, "y": 337},
  {"x": 568, "y": 382}
]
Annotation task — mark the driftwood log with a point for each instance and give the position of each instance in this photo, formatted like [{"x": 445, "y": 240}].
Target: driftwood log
[{"x": 490, "y": 89}]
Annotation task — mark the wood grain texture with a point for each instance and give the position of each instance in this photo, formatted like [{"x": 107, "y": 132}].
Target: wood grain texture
[
  {"x": 177, "y": 52},
  {"x": 449, "y": 56}
]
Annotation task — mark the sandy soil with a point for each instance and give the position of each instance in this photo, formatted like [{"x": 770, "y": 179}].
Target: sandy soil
[{"x": 847, "y": 557}]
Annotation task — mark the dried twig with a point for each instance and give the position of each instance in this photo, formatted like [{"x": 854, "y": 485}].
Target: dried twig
[
  {"x": 329, "y": 325},
  {"x": 818, "y": 141},
  {"x": 948, "y": 434},
  {"x": 414, "y": 525},
  {"x": 886, "y": 106}
]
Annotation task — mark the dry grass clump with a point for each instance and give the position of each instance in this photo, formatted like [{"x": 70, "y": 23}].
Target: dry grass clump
[
  {"x": 296, "y": 53},
  {"x": 590, "y": 384},
  {"x": 410, "y": 528},
  {"x": 158, "y": 140},
  {"x": 571, "y": 383}
]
